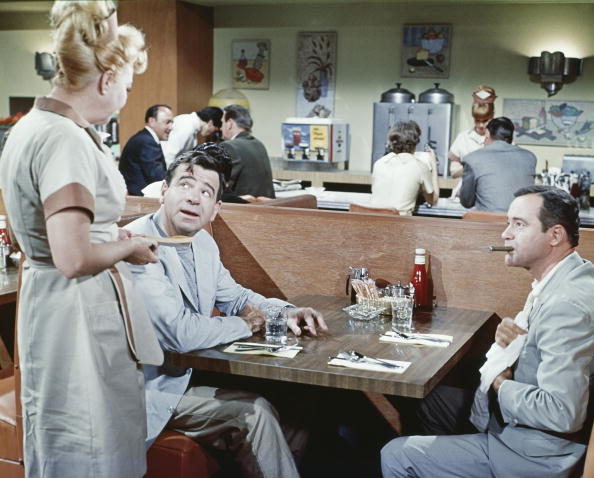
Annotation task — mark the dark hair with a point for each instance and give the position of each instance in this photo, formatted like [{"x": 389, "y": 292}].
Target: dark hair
[
  {"x": 219, "y": 153},
  {"x": 211, "y": 113},
  {"x": 240, "y": 115},
  {"x": 558, "y": 207},
  {"x": 403, "y": 137},
  {"x": 193, "y": 158},
  {"x": 501, "y": 129},
  {"x": 153, "y": 111}
]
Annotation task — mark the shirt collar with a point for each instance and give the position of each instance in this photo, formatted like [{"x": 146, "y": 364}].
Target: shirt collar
[
  {"x": 538, "y": 286},
  {"x": 46, "y": 103},
  {"x": 158, "y": 222},
  {"x": 153, "y": 134}
]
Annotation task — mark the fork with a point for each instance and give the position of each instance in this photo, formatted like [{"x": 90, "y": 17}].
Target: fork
[
  {"x": 357, "y": 356},
  {"x": 419, "y": 337}
]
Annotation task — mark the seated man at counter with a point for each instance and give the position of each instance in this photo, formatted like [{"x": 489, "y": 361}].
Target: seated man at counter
[
  {"x": 142, "y": 161},
  {"x": 493, "y": 173},
  {"x": 185, "y": 128},
  {"x": 251, "y": 172},
  {"x": 180, "y": 292},
  {"x": 399, "y": 175},
  {"x": 528, "y": 414}
]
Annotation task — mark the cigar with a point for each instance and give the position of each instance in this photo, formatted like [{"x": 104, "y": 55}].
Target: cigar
[{"x": 500, "y": 249}]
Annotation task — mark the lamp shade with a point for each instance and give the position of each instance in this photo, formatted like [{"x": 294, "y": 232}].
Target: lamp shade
[
  {"x": 45, "y": 65},
  {"x": 229, "y": 96},
  {"x": 553, "y": 70}
]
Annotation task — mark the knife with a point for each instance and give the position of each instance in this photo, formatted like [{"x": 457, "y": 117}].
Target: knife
[{"x": 420, "y": 337}]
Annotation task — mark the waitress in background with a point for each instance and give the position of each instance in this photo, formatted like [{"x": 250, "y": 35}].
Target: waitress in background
[
  {"x": 399, "y": 175},
  {"x": 470, "y": 140},
  {"x": 81, "y": 332}
]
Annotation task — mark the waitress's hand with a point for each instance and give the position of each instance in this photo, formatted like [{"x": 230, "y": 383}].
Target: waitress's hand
[
  {"x": 144, "y": 251},
  {"x": 124, "y": 234}
]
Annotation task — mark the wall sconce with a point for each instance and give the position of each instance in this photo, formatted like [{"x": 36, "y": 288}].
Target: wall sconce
[
  {"x": 553, "y": 70},
  {"x": 45, "y": 65}
]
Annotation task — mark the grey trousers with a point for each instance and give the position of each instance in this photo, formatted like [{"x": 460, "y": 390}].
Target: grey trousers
[
  {"x": 243, "y": 423},
  {"x": 465, "y": 455}
]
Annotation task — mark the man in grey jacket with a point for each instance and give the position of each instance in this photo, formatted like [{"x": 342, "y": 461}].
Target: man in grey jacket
[
  {"x": 180, "y": 292},
  {"x": 492, "y": 174},
  {"x": 530, "y": 419}
]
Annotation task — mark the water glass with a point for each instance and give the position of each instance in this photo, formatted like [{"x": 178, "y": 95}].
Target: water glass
[
  {"x": 402, "y": 312},
  {"x": 276, "y": 325}
]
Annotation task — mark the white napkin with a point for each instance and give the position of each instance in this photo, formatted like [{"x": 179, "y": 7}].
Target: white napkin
[
  {"x": 290, "y": 352},
  {"x": 499, "y": 358},
  {"x": 418, "y": 339},
  {"x": 375, "y": 367}
]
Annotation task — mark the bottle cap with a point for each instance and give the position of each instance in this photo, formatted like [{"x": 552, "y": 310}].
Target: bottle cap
[{"x": 419, "y": 251}]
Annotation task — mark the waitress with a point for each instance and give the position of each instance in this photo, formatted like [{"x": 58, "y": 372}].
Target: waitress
[
  {"x": 470, "y": 140},
  {"x": 81, "y": 332}
]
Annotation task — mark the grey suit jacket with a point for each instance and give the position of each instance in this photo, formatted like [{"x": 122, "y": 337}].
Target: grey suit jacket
[
  {"x": 494, "y": 173},
  {"x": 251, "y": 172},
  {"x": 550, "y": 388},
  {"x": 183, "y": 321}
]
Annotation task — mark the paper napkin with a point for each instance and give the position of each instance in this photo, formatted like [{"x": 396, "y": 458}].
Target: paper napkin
[
  {"x": 430, "y": 340},
  {"x": 375, "y": 367}
]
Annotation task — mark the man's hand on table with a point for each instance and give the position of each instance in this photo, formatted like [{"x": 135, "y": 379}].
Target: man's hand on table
[
  {"x": 253, "y": 317},
  {"x": 507, "y": 331},
  {"x": 307, "y": 319},
  {"x": 507, "y": 374}
]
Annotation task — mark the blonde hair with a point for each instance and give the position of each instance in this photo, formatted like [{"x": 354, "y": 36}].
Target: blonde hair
[{"x": 86, "y": 43}]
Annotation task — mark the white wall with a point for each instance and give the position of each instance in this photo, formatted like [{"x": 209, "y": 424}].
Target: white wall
[
  {"x": 17, "y": 64},
  {"x": 490, "y": 46}
]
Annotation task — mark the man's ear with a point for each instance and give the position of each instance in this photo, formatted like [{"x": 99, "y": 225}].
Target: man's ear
[
  {"x": 105, "y": 82},
  {"x": 558, "y": 234},
  {"x": 164, "y": 188},
  {"x": 216, "y": 210}
]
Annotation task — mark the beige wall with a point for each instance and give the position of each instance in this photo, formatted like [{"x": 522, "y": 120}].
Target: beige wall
[
  {"x": 490, "y": 45},
  {"x": 17, "y": 65}
]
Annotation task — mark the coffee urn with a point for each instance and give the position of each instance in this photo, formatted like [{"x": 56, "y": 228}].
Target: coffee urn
[{"x": 433, "y": 114}]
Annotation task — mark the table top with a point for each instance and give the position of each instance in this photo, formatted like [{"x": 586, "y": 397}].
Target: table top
[
  {"x": 428, "y": 364},
  {"x": 8, "y": 285}
]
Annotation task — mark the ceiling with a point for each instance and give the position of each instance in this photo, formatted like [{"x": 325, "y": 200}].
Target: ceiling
[{"x": 44, "y": 6}]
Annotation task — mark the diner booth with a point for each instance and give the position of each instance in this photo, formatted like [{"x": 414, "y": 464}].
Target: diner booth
[{"x": 301, "y": 246}]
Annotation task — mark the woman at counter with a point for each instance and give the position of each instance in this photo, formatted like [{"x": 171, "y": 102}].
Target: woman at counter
[
  {"x": 81, "y": 333},
  {"x": 398, "y": 176}
]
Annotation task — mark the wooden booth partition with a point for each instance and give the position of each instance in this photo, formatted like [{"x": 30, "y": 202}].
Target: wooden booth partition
[{"x": 283, "y": 252}]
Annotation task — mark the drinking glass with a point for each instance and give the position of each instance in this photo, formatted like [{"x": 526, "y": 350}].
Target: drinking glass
[
  {"x": 402, "y": 312},
  {"x": 276, "y": 324}
]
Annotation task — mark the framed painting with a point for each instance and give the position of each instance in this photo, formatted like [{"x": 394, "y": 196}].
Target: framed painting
[
  {"x": 551, "y": 122},
  {"x": 250, "y": 64},
  {"x": 426, "y": 51},
  {"x": 316, "y": 73}
]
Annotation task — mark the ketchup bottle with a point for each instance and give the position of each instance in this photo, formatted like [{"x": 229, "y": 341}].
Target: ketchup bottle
[{"x": 420, "y": 282}]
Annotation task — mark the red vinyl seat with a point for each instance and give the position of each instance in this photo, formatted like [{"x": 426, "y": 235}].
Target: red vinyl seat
[{"x": 174, "y": 455}]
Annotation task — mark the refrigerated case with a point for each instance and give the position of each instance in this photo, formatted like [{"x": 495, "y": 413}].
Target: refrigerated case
[{"x": 434, "y": 120}]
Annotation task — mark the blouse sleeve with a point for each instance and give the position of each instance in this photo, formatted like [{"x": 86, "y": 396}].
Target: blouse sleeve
[{"x": 67, "y": 172}]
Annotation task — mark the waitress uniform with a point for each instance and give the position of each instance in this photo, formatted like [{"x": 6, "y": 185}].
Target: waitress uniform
[{"x": 81, "y": 340}]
